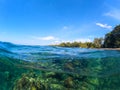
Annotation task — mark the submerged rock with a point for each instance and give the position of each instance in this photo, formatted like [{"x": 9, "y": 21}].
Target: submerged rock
[
  {"x": 68, "y": 67},
  {"x": 69, "y": 82},
  {"x": 27, "y": 82},
  {"x": 46, "y": 81}
]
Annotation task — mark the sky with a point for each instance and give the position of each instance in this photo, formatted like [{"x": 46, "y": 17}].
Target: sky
[{"x": 44, "y": 22}]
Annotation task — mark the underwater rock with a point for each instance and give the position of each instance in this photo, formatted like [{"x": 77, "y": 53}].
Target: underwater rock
[
  {"x": 68, "y": 66},
  {"x": 94, "y": 81},
  {"x": 76, "y": 63},
  {"x": 50, "y": 81},
  {"x": 50, "y": 74},
  {"x": 57, "y": 87},
  {"x": 54, "y": 75},
  {"x": 26, "y": 82},
  {"x": 69, "y": 82}
]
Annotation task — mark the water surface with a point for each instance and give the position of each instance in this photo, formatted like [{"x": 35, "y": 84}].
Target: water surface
[{"x": 56, "y": 68}]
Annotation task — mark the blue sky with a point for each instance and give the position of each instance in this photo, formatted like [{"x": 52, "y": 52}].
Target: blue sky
[{"x": 43, "y": 22}]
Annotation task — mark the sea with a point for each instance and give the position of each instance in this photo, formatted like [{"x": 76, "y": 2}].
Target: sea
[{"x": 24, "y": 67}]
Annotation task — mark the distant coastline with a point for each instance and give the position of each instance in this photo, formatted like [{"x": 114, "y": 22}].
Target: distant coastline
[
  {"x": 107, "y": 48},
  {"x": 111, "y": 41}
]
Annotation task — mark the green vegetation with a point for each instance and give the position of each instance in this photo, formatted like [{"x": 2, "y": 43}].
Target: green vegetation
[
  {"x": 93, "y": 74},
  {"x": 111, "y": 40},
  {"x": 97, "y": 43}
]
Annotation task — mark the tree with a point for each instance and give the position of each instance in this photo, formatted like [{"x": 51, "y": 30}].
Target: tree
[
  {"x": 98, "y": 42},
  {"x": 112, "y": 39}
]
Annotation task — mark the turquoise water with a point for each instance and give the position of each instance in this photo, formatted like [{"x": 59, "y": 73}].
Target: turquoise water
[{"x": 57, "y": 68}]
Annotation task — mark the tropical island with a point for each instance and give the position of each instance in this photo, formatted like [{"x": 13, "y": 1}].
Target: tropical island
[{"x": 111, "y": 40}]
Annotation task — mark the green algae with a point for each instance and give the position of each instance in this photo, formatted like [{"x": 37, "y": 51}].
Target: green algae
[{"x": 78, "y": 74}]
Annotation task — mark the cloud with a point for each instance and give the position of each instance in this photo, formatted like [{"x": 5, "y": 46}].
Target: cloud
[
  {"x": 83, "y": 40},
  {"x": 65, "y": 27},
  {"x": 104, "y": 25},
  {"x": 47, "y": 38},
  {"x": 114, "y": 13},
  {"x": 76, "y": 40}
]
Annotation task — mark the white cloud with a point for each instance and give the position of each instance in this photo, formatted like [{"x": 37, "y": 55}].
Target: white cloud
[
  {"x": 83, "y": 40},
  {"x": 47, "y": 38},
  {"x": 65, "y": 27},
  {"x": 114, "y": 13},
  {"x": 77, "y": 40},
  {"x": 104, "y": 25},
  {"x": 56, "y": 42}
]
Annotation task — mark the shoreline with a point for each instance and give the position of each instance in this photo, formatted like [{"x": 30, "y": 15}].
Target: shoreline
[
  {"x": 106, "y": 48},
  {"x": 97, "y": 48}
]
